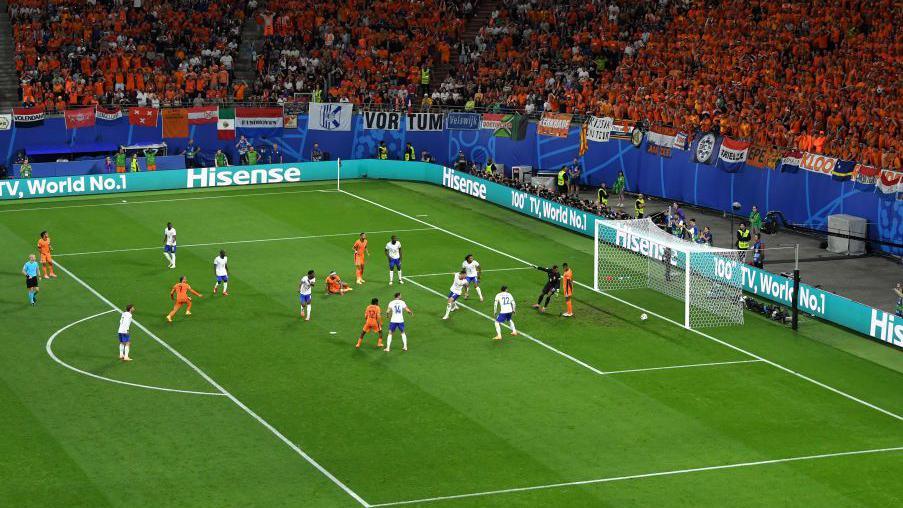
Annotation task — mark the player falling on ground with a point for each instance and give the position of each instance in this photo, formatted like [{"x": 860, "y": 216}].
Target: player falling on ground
[
  {"x": 169, "y": 244},
  {"x": 125, "y": 339},
  {"x": 393, "y": 255},
  {"x": 457, "y": 287},
  {"x": 395, "y": 313},
  {"x": 472, "y": 268},
  {"x": 360, "y": 253},
  {"x": 45, "y": 249},
  {"x": 179, "y": 293},
  {"x": 504, "y": 307},
  {"x": 551, "y": 287},
  {"x": 335, "y": 285},
  {"x": 567, "y": 289},
  {"x": 373, "y": 322},
  {"x": 221, "y": 270},
  {"x": 305, "y": 288},
  {"x": 30, "y": 271}
]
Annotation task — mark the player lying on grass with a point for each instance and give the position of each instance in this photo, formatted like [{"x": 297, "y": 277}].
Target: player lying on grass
[
  {"x": 125, "y": 339},
  {"x": 360, "y": 253},
  {"x": 504, "y": 307},
  {"x": 393, "y": 255},
  {"x": 395, "y": 313},
  {"x": 305, "y": 288},
  {"x": 551, "y": 287},
  {"x": 179, "y": 293},
  {"x": 457, "y": 287},
  {"x": 373, "y": 322},
  {"x": 335, "y": 285},
  {"x": 221, "y": 271},
  {"x": 473, "y": 271},
  {"x": 45, "y": 250}
]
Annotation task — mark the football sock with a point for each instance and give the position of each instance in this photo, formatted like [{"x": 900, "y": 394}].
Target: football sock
[
  {"x": 121, "y": 350},
  {"x": 225, "y": 287},
  {"x": 513, "y": 329},
  {"x": 389, "y": 341},
  {"x": 391, "y": 276},
  {"x": 539, "y": 301},
  {"x": 31, "y": 297},
  {"x": 548, "y": 298},
  {"x": 479, "y": 293},
  {"x": 570, "y": 307},
  {"x": 404, "y": 340},
  {"x": 173, "y": 256},
  {"x": 448, "y": 309},
  {"x": 166, "y": 255},
  {"x": 359, "y": 342},
  {"x": 399, "y": 277},
  {"x": 127, "y": 350},
  {"x": 308, "y": 311},
  {"x": 498, "y": 329},
  {"x": 44, "y": 268}
]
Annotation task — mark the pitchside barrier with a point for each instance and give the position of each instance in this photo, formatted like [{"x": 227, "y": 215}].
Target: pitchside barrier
[{"x": 874, "y": 323}]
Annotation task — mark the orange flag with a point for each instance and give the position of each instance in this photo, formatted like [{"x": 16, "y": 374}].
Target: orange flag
[{"x": 175, "y": 123}]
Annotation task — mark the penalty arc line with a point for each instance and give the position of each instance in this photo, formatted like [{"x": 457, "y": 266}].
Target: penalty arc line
[
  {"x": 640, "y": 476},
  {"x": 625, "y": 302},
  {"x": 49, "y": 348},
  {"x": 235, "y": 242},
  {"x": 310, "y": 460}
]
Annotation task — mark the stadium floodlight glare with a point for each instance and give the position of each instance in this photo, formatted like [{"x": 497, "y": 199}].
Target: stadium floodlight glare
[{"x": 635, "y": 254}]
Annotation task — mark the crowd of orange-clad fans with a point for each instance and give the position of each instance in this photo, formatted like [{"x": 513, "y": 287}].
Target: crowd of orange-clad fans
[
  {"x": 819, "y": 75},
  {"x": 83, "y": 52}
]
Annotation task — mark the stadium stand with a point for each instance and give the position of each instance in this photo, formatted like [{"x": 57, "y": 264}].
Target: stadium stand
[{"x": 70, "y": 52}]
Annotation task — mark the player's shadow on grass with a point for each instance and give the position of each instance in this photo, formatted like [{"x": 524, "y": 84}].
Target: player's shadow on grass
[{"x": 648, "y": 330}]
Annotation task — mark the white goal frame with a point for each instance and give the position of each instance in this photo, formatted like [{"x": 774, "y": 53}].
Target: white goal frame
[{"x": 668, "y": 261}]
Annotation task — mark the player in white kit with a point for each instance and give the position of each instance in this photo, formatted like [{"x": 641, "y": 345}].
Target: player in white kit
[
  {"x": 125, "y": 338},
  {"x": 169, "y": 244},
  {"x": 221, "y": 270},
  {"x": 504, "y": 307},
  {"x": 457, "y": 287},
  {"x": 393, "y": 255},
  {"x": 395, "y": 313},
  {"x": 305, "y": 288},
  {"x": 472, "y": 269}
]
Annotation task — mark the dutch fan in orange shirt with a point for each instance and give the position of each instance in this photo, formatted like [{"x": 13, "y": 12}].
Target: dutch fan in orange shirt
[
  {"x": 45, "y": 249},
  {"x": 179, "y": 293},
  {"x": 360, "y": 251},
  {"x": 373, "y": 323}
]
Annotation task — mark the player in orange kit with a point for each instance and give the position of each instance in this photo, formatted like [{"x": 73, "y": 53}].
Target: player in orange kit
[
  {"x": 373, "y": 323},
  {"x": 46, "y": 259},
  {"x": 179, "y": 293},
  {"x": 335, "y": 285},
  {"x": 360, "y": 251},
  {"x": 567, "y": 289}
]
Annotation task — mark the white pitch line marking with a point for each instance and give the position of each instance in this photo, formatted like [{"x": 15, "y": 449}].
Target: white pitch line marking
[
  {"x": 626, "y": 371},
  {"x": 141, "y": 202},
  {"x": 234, "y": 242},
  {"x": 625, "y": 302},
  {"x": 452, "y": 273},
  {"x": 53, "y": 356},
  {"x": 520, "y": 333},
  {"x": 225, "y": 392},
  {"x": 640, "y": 476}
]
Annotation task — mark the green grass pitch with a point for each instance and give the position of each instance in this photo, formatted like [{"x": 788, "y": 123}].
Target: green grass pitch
[{"x": 244, "y": 404}]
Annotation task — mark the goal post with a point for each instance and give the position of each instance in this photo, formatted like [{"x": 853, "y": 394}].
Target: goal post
[{"x": 636, "y": 254}]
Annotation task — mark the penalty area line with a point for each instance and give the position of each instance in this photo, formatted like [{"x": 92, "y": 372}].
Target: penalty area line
[
  {"x": 635, "y": 306},
  {"x": 297, "y": 449},
  {"x": 49, "y": 348},
  {"x": 641, "y": 476}
]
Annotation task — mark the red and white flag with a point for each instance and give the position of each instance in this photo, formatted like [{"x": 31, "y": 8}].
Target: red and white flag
[
  {"x": 259, "y": 118},
  {"x": 143, "y": 117},
  {"x": 203, "y": 115},
  {"x": 890, "y": 182},
  {"x": 108, "y": 114},
  {"x": 78, "y": 118}
]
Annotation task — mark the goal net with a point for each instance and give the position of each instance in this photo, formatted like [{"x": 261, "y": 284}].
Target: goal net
[{"x": 636, "y": 254}]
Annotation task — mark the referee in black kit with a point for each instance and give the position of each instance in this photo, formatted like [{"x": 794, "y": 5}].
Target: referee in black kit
[{"x": 551, "y": 287}]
